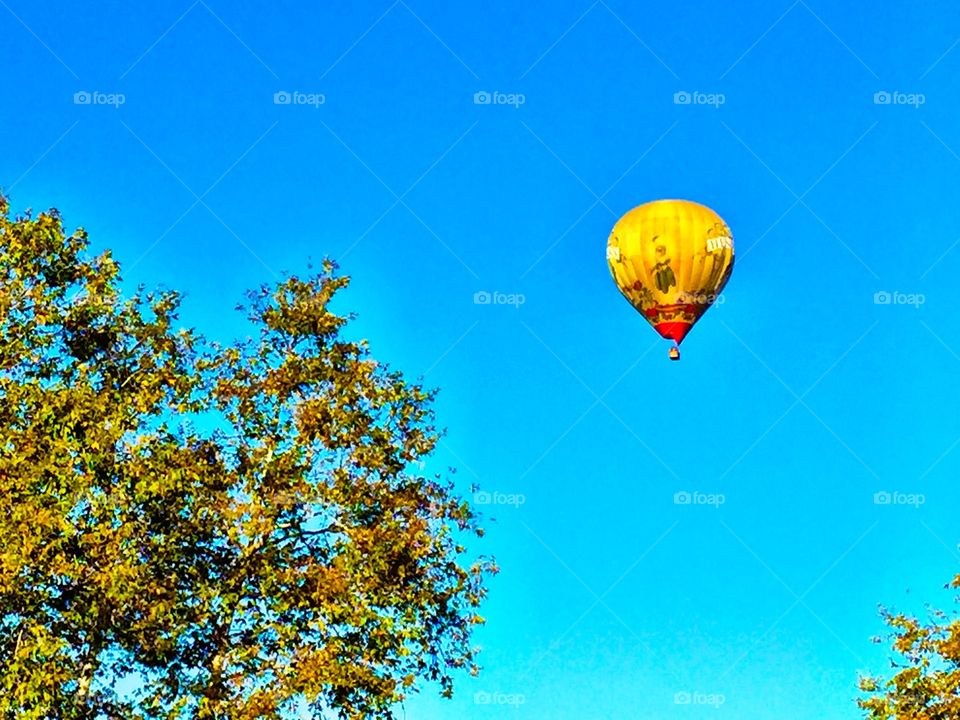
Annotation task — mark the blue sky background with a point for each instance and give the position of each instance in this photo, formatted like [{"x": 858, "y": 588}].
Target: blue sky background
[{"x": 798, "y": 398}]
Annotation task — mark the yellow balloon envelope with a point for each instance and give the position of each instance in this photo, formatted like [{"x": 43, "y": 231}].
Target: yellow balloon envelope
[{"x": 671, "y": 259}]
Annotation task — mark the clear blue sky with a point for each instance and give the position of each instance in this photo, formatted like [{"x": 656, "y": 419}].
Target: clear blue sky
[{"x": 797, "y": 399}]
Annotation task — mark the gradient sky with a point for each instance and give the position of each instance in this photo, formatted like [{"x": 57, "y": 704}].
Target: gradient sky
[{"x": 797, "y": 399}]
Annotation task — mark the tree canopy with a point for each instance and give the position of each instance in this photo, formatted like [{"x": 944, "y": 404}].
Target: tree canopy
[
  {"x": 232, "y": 528},
  {"x": 926, "y": 681}
]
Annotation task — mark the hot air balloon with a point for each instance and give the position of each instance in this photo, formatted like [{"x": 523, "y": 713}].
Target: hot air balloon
[{"x": 670, "y": 259}]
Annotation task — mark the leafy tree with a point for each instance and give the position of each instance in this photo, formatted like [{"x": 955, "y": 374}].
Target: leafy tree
[
  {"x": 926, "y": 685},
  {"x": 287, "y": 553}
]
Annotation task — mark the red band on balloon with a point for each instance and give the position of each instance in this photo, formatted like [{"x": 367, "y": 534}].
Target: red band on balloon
[{"x": 675, "y": 331}]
